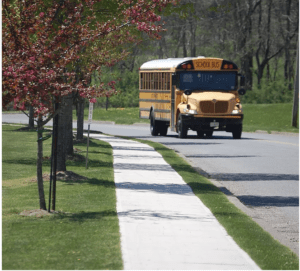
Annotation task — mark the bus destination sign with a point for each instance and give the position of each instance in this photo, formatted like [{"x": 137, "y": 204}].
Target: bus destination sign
[{"x": 207, "y": 64}]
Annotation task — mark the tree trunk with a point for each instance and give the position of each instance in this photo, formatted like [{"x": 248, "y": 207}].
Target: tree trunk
[
  {"x": 245, "y": 47},
  {"x": 178, "y": 38},
  {"x": 287, "y": 64},
  {"x": 61, "y": 154},
  {"x": 106, "y": 103},
  {"x": 264, "y": 47},
  {"x": 39, "y": 166},
  {"x": 193, "y": 38},
  {"x": 80, "y": 118},
  {"x": 184, "y": 44},
  {"x": 160, "y": 49},
  {"x": 296, "y": 94},
  {"x": 31, "y": 118},
  {"x": 247, "y": 65},
  {"x": 65, "y": 132},
  {"x": 268, "y": 72},
  {"x": 54, "y": 158},
  {"x": 275, "y": 69},
  {"x": 69, "y": 124}
]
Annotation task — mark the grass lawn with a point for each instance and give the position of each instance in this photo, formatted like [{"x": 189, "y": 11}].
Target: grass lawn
[
  {"x": 128, "y": 115},
  {"x": 266, "y": 117},
  {"x": 84, "y": 234}
]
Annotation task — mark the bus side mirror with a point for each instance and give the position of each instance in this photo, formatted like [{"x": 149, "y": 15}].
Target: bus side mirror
[
  {"x": 243, "y": 81},
  {"x": 242, "y": 91},
  {"x": 187, "y": 92}
]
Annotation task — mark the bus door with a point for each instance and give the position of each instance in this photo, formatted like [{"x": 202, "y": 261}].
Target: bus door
[{"x": 173, "y": 111}]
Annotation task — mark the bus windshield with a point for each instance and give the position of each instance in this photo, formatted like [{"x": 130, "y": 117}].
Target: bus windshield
[{"x": 207, "y": 80}]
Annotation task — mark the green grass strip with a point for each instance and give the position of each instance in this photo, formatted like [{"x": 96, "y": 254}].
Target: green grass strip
[
  {"x": 85, "y": 232},
  {"x": 126, "y": 116},
  {"x": 267, "y": 252}
]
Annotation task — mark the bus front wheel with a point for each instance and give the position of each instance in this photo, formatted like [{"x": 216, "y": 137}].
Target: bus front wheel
[
  {"x": 237, "y": 132},
  {"x": 181, "y": 127}
]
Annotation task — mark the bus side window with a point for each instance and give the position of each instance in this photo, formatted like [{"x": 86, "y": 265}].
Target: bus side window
[{"x": 141, "y": 82}]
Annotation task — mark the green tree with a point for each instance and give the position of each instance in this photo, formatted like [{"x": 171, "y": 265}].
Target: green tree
[{"x": 44, "y": 43}]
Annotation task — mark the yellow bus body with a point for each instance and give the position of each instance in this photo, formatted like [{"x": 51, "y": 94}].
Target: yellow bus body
[{"x": 162, "y": 100}]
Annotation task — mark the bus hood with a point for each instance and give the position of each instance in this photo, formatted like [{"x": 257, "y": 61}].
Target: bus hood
[
  {"x": 210, "y": 96},
  {"x": 212, "y": 102}
]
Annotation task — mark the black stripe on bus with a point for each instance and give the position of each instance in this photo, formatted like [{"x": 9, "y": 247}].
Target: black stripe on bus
[
  {"x": 156, "y": 91},
  {"x": 155, "y": 101},
  {"x": 156, "y": 110},
  {"x": 155, "y": 70}
]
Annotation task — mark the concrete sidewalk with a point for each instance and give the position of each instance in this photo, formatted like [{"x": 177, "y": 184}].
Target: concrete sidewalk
[{"x": 163, "y": 225}]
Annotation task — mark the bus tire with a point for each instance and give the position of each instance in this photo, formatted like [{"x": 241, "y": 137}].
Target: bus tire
[
  {"x": 163, "y": 129},
  {"x": 209, "y": 134},
  {"x": 153, "y": 125},
  {"x": 200, "y": 133},
  {"x": 182, "y": 128},
  {"x": 237, "y": 132}
]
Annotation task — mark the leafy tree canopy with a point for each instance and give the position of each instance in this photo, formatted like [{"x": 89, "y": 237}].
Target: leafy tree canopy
[{"x": 51, "y": 48}]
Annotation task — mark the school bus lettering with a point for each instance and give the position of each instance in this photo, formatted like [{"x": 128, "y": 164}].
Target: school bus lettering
[
  {"x": 199, "y": 94},
  {"x": 215, "y": 65},
  {"x": 203, "y": 65},
  {"x": 207, "y": 64}
]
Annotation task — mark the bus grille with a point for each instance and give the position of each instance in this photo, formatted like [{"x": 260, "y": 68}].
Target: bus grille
[
  {"x": 207, "y": 107},
  {"x": 210, "y": 107}
]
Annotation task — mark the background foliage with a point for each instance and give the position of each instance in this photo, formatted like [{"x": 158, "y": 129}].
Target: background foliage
[{"x": 259, "y": 35}]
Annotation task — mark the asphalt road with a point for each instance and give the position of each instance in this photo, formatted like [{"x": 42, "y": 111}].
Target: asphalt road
[{"x": 259, "y": 173}]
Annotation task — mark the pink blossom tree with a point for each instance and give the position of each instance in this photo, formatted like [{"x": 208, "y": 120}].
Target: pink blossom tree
[{"x": 44, "y": 43}]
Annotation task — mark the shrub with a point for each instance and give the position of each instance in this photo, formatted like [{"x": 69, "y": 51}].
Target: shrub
[{"x": 269, "y": 92}]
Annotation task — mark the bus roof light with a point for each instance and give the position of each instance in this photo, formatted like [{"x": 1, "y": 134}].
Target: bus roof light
[{"x": 229, "y": 65}]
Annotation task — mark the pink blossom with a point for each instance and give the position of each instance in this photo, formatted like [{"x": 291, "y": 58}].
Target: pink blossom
[
  {"x": 36, "y": 67},
  {"x": 22, "y": 106}
]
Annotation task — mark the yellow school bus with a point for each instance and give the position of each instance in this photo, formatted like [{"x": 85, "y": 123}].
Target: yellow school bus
[{"x": 197, "y": 93}]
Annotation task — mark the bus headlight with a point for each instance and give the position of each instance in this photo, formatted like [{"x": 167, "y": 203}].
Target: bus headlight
[
  {"x": 194, "y": 112},
  {"x": 235, "y": 111}
]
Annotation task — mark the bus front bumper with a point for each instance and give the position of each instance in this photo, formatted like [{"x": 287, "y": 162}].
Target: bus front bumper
[{"x": 205, "y": 123}]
